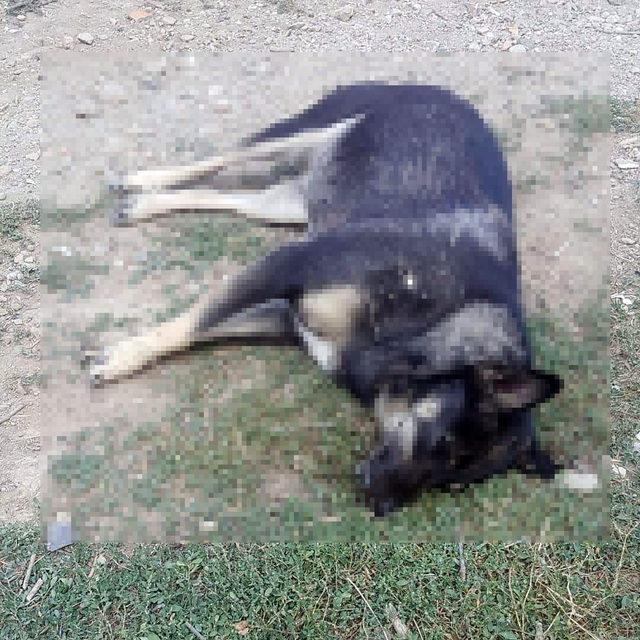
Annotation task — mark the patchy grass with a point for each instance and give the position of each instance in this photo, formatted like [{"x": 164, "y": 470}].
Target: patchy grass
[
  {"x": 233, "y": 432},
  {"x": 72, "y": 275},
  {"x": 195, "y": 243},
  {"x": 322, "y": 590},
  {"x": 625, "y": 115},
  {"x": 14, "y": 215},
  {"x": 565, "y": 590}
]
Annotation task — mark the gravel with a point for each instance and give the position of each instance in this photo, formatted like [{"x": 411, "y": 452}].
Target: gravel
[{"x": 520, "y": 26}]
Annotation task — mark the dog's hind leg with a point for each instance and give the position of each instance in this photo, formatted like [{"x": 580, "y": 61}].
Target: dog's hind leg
[
  {"x": 282, "y": 203},
  {"x": 292, "y": 149}
]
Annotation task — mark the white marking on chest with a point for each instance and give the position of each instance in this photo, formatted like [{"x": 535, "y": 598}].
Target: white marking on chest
[
  {"x": 324, "y": 352},
  {"x": 331, "y": 312}
]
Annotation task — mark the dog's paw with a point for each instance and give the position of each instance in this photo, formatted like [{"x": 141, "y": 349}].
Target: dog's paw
[
  {"x": 94, "y": 360},
  {"x": 123, "y": 211}
]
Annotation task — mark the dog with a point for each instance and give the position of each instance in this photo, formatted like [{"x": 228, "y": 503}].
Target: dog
[{"x": 405, "y": 289}]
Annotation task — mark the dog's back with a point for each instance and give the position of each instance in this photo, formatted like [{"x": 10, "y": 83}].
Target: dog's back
[{"x": 416, "y": 151}]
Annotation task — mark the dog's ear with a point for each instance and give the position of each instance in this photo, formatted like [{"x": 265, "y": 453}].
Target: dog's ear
[{"x": 504, "y": 389}]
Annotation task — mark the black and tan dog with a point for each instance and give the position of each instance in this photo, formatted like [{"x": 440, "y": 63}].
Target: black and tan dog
[{"x": 405, "y": 289}]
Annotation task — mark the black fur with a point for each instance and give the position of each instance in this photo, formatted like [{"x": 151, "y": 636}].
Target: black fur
[{"x": 418, "y": 187}]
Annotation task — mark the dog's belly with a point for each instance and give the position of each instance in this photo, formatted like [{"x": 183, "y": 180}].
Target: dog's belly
[{"x": 325, "y": 320}]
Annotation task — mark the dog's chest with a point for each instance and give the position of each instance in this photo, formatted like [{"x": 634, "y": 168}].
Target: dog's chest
[{"x": 325, "y": 322}]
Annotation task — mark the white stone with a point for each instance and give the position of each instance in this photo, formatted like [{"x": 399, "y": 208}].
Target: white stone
[
  {"x": 621, "y": 472},
  {"x": 86, "y": 38},
  {"x": 626, "y": 164},
  {"x": 578, "y": 481}
]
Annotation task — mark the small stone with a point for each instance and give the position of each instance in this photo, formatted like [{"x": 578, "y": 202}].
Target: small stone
[
  {"x": 630, "y": 142},
  {"x": 170, "y": 20},
  {"x": 518, "y": 48},
  {"x": 29, "y": 260},
  {"x": 626, "y": 164},
  {"x": 17, "y": 321},
  {"x": 345, "y": 13},
  {"x": 67, "y": 42},
  {"x": 21, "y": 17},
  {"x": 621, "y": 472},
  {"x": 3, "y": 196},
  {"x": 629, "y": 241},
  {"x": 34, "y": 155},
  {"x": 85, "y": 37},
  {"x": 187, "y": 37},
  {"x": 635, "y": 70},
  {"x": 138, "y": 14},
  {"x": 5, "y": 170}
]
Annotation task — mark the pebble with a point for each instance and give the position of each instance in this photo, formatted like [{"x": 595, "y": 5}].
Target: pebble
[
  {"x": 344, "y": 13},
  {"x": 628, "y": 241},
  {"x": 3, "y": 196},
  {"x": 85, "y": 37},
  {"x": 630, "y": 142},
  {"x": 626, "y": 164},
  {"x": 33, "y": 156},
  {"x": 21, "y": 17},
  {"x": 518, "y": 48},
  {"x": 619, "y": 470},
  {"x": 138, "y": 14},
  {"x": 5, "y": 170},
  {"x": 67, "y": 42},
  {"x": 187, "y": 37},
  {"x": 635, "y": 70},
  {"x": 170, "y": 20}
]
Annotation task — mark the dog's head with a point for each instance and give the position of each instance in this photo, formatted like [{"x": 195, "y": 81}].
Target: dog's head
[{"x": 453, "y": 404}]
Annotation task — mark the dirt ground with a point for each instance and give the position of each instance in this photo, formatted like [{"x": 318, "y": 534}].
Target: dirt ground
[{"x": 275, "y": 26}]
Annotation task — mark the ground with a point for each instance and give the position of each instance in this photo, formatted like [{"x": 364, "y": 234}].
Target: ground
[{"x": 606, "y": 601}]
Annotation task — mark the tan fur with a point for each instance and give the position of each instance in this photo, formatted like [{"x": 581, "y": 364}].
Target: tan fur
[
  {"x": 291, "y": 147},
  {"x": 331, "y": 313},
  {"x": 280, "y": 204}
]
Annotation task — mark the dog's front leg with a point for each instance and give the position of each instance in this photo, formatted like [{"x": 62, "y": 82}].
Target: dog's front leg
[
  {"x": 225, "y": 314},
  {"x": 128, "y": 356}
]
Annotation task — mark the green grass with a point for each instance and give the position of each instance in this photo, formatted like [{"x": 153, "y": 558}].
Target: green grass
[
  {"x": 14, "y": 215},
  {"x": 583, "y": 116},
  {"x": 212, "y": 448},
  {"x": 71, "y": 275},
  {"x": 330, "y": 589},
  {"x": 570, "y": 589},
  {"x": 625, "y": 115},
  {"x": 200, "y": 240}
]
